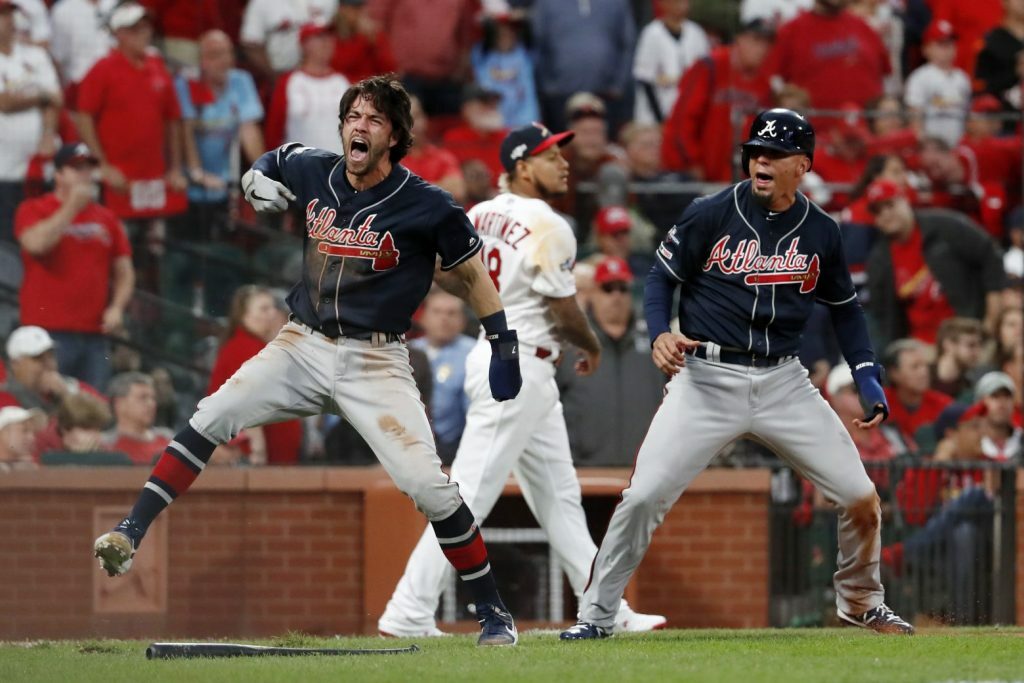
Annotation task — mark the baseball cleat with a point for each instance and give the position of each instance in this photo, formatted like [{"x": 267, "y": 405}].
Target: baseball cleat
[
  {"x": 115, "y": 549},
  {"x": 397, "y": 628},
  {"x": 584, "y": 631},
  {"x": 627, "y": 620},
  {"x": 496, "y": 626},
  {"x": 881, "y": 619}
]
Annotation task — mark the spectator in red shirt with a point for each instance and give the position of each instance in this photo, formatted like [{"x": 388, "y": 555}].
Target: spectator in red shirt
[
  {"x": 34, "y": 381},
  {"x": 844, "y": 155},
  {"x": 251, "y": 324},
  {"x": 700, "y": 134},
  {"x": 932, "y": 265},
  {"x": 78, "y": 267},
  {"x": 998, "y": 158},
  {"x": 133, "y": 399},
  {"x": 81, "y": 419},
  {"x": 481, "y": 132},
  {"x": 955, "y": 183},
  {"x": 430, "y": 162},
  {"x": 361, "y": 49},
  {"x": 912, "y": 402},
  {"x": 431, "y": 42},
  {"x": 180, "y": 23},
  {"x": 834, "y": 55},
  {"x": 128, "y": 114}
]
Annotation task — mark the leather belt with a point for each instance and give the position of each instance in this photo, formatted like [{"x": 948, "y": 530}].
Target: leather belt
[
  {"x": 713, "y": 352},
  {"x": 359, "y": 334}
]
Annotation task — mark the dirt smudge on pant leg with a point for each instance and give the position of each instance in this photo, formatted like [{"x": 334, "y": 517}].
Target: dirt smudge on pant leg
[
  {"x": 866, "y": 517},
  {"x": 390, "y": 425}
]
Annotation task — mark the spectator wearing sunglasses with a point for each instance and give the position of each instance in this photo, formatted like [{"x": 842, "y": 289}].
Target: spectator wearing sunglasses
[{"x": 607, "y": 413}]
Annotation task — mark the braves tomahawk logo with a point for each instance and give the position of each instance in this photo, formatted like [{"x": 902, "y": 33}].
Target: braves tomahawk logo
[
  {"x": 788, "y": 268},
  {"x": 376, "y": 247}
]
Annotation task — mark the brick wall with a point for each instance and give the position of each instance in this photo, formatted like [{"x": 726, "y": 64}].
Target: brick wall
[
  {"x": 261, "y": 552},
  {"x": 708, "y": 563}
]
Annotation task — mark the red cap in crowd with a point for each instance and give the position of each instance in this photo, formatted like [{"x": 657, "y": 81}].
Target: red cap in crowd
[
  {"x": 313, "y": 29},
  {"x": 611, "y": 220},
  {"x": 938, "y": 31},
  {"x": 986, "y": 104},
  {"x": 883, "y": 190},
  {"x": 612, "y": 269}
]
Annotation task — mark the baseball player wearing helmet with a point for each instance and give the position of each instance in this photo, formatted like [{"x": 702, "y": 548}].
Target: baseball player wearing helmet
[
  {"x": 751, "y": 261},
  {"x": 373, "y": 233},
  {"x": 529, "y": 251}
]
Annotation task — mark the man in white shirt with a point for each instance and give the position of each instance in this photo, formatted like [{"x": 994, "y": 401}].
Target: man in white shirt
[
  {"x": 270, "y": 31},
  {"x": 529, "y": 251},
  {"x": 666, "y": 49},
  {"x": 80, "y": 36},
  {"x": 937, "y": 92},
  {"x": 29, "y": 101}
]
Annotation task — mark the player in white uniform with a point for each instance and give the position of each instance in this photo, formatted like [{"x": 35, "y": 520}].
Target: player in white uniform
[{"x": 529, "y": 251}]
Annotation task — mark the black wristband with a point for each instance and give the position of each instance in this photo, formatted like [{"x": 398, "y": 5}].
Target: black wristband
[{"x": 494, "y": 323}]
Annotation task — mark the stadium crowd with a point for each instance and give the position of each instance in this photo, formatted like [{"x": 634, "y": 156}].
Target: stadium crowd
[{"x": 124, "y": 129}]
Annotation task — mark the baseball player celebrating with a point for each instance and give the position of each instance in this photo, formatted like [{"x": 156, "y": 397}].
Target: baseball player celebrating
[
  {"x": 373, "y": 230},
  {"x": 751, "y": 261},
  {"x": 529, "y": 252}
]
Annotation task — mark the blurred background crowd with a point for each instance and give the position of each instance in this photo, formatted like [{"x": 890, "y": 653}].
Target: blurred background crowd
[{"x": 133, "y": 280}]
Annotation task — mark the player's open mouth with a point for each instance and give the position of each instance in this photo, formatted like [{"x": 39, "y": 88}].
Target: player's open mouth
[
  {"x": 761, "y": 178},
  {"x": 358, "y": 149}
]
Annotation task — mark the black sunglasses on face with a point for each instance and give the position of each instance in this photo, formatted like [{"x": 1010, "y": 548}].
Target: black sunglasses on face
[{"x": 620, "y": 287}]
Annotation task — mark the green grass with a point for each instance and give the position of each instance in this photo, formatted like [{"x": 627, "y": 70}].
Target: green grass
[{"x": 789, "y": 656}]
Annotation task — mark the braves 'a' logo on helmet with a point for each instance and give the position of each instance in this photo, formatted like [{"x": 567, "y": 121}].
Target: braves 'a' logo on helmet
[{"x": 769, "y": 129}]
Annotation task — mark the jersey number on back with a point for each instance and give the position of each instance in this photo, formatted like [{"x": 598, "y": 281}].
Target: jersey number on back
[{"x": 492, "y": 261}]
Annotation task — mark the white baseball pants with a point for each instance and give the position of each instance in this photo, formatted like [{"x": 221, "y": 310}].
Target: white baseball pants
[
  {"x": 302, "y": 373},
  {"x": 707, "y": 405},
  {"x": 526, "y": 437}
]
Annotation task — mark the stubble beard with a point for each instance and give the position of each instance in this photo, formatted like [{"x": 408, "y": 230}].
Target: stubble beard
[{"x": 764, "y": 199}]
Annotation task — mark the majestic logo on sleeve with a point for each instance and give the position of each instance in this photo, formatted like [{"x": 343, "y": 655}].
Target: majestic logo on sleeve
[
  {"x": 788, "y": 268},
  {"x": 376, "y": 247}
]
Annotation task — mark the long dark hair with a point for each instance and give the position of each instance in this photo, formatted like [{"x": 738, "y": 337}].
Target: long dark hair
[
  {"x": 872, "y": 169},
  {"x": 389, "y": 97}
]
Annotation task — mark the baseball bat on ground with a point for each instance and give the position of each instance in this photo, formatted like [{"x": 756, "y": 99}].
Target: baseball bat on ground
[{"x": 194, "y": 650}]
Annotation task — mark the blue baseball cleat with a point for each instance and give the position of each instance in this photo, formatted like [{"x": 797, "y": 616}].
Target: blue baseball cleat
[
  {"x": 584, "y": 631},
  {"x": 496, "y": 626}
]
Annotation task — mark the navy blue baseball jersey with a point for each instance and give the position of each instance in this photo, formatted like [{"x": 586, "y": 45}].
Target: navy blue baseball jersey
[
  {"x": 369, "y": 256},
  {"x": 750, "y": 277}
]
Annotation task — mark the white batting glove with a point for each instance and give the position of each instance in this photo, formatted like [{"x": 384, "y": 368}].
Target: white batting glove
[{"x": 265, "y": 195}]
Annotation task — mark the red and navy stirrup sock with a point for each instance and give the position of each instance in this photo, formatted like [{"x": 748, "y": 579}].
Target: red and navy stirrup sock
[
  {"x": 462, "y": 544},
  {"x": 179, "y": 465}
]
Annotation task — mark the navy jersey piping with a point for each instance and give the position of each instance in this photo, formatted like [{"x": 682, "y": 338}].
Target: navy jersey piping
[
  {"x": 757, "y": 288},
  {"x": 807, "y": 210}
]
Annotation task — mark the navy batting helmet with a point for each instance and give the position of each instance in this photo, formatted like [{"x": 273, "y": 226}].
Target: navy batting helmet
[{"x": 780, "y": 129}]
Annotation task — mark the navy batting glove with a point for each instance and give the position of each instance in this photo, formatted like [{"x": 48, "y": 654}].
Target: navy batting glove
[
  {"x": 504, "y": 376},
  {"x": 868, "y": 377}
]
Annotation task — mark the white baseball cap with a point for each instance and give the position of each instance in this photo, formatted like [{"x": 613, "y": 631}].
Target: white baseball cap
[
  {"x": 839, "y": 378},
  {"x": 28, "y": 342},
  {"x": 10, "y": 415},
  {"x": 127, "y": 15},
  {"x": 991, "y": 382}
]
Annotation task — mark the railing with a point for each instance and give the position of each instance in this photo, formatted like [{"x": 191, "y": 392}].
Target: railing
[{"x": 948, "y": 545}]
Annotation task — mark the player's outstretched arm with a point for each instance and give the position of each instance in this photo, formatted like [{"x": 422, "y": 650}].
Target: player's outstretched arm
[
  {"x": 475, "y": 285},
  {"x": 572, "y": 326}
]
